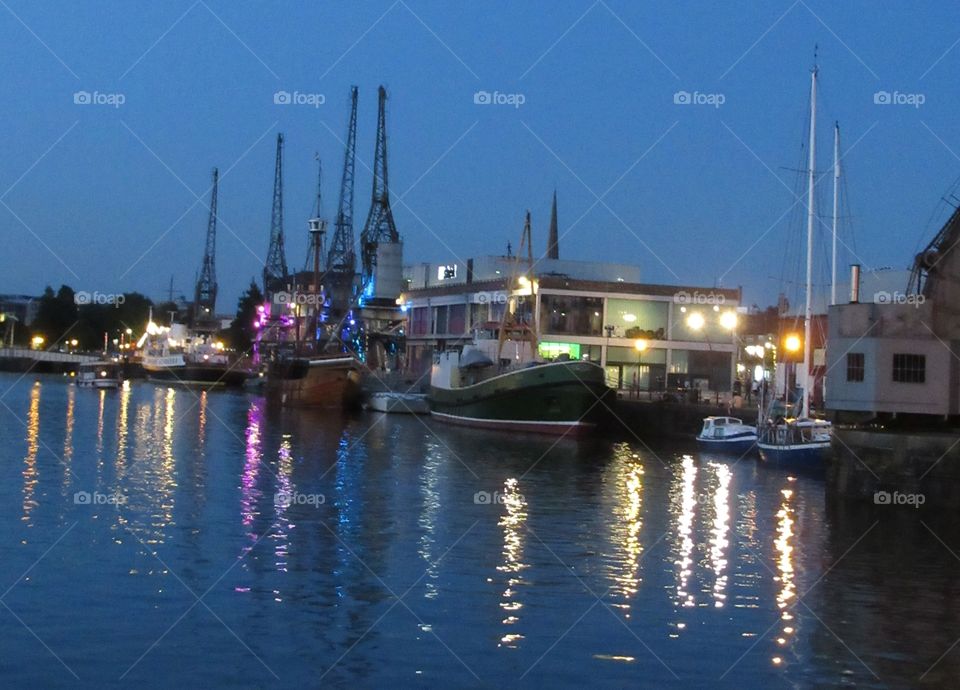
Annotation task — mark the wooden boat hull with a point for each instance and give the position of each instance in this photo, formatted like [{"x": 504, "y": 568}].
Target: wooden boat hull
[{"x": 329, "y": 382}]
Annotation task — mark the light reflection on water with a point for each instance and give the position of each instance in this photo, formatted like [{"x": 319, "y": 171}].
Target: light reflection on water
[
  {"x": 514, "y": 536},
  {"x": 626, "y": 527},
  {"x": 700, "y": 560}
]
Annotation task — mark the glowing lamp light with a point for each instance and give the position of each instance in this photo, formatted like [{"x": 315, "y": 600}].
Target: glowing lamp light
[
  {"x": 629, "y": 318},
  {"x": 37, "y": 341},
  {"x": 793, "y": 343},
  {"x": 695, "y": 321},
  {"x": 640, "y": 345},
  {"x": 728, "y": 320}
]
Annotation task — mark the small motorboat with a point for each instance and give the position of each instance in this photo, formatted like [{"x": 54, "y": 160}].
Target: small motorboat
[
  {"x": 99, "y": 374},
  {"x": 727, "y": 433},
  {"x": 401, "y": 403}
]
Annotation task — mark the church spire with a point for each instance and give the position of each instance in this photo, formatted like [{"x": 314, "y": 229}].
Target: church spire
[{"x": 553, "y": 241}]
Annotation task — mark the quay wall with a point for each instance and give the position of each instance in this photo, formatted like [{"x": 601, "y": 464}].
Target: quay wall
[
  {"x": 867, "y": 462},
  {"x": 658, "y": 419}
]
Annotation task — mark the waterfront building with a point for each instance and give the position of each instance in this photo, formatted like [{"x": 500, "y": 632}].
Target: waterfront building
[
  {"x": 587, "y": 310},
  {"x": 896, "y": 352}
]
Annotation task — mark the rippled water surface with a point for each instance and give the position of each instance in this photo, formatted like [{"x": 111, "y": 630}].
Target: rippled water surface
[{"x": 157, "y": 536}]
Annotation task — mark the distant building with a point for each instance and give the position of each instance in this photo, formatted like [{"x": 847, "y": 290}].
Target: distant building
[
  {"x": 23, "y": 307},
  {"x": 588, "y": 310}
]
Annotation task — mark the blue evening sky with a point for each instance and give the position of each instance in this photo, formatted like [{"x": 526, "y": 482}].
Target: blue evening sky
[{"x": 103, "y": 198}]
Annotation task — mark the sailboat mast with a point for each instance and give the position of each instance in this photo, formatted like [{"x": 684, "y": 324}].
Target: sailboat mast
[
  {"x": 836, "y": 196},
  {"x": 811, "y": 217}
]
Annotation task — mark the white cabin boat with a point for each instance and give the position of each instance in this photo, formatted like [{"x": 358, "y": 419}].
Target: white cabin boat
[{"x": 105, "y": 374}]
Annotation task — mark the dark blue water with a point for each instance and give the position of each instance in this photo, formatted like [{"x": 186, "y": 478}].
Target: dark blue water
[{"x": 156, "y": 537}]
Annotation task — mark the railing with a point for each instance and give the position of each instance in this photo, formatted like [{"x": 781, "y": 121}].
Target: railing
[{"x": 44, "y": 355}]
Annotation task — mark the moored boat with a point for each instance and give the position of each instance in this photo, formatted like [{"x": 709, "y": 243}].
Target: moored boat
[
  {"x": 550, "y": 397},
  {"x": 499, "y": 380},
  {"x": 801, "y": 443},
  {"x": 99, "y": 374},
  {"x": 398, "y": 403},
  {"x": 173, "y": 355},
  {"x": 727, "y": 434},
  {"x": 314, "y": 381}
]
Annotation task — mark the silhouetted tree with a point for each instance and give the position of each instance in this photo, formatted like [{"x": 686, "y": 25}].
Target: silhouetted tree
[
  {"x": 56, "y": 316},
  {"x": 242, "y": 333}
]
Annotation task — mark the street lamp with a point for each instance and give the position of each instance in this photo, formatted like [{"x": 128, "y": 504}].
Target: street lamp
[
  {"x": 37, "y": 341},
  {"x": 695, "y": 321},
  {"x": 793, "y": 343},
  {"x": 728, "y": 320},
  {"x": 639, "y": 345}
]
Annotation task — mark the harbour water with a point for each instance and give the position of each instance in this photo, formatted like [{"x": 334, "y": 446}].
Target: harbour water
[{"x": 158, "y": 536}]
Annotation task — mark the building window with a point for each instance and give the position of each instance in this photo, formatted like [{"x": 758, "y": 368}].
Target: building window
[
  {"x": 909, "y": 368},
  {"x": 569, "y": 315},
  {"x": 637, "y": 318},
  {"x": 855, "y": 366}
]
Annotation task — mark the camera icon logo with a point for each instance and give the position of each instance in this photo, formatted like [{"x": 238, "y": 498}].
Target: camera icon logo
[
  {"x": 82, "y": 98},
  {"x": 283, "y": 499},
  {"x": 282, "y": 98},
  {"x": 881, "y": 98},
  {"x": 882, "y": 297},
  {"x": 482, "y": 98},
  {"x": 81, "y": 298},
  {"x": 682, "y": 98},
  {"x": 82, "y": 498},
  {"x": 882, "y": 498},
  {"x": 482, "y": 498}
]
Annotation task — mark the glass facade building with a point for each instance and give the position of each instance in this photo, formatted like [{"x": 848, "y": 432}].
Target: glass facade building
[{"x": 686, "y": 343}]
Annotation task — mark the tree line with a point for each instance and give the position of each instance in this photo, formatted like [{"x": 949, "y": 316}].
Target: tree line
[{"x": 68, "y": 320}]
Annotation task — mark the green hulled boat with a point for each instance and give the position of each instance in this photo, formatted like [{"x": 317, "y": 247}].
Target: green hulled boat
[{"x": 562, "y": 397}]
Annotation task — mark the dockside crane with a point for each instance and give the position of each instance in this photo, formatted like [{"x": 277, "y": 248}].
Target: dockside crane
[
  {"x": 275, "y": 274},
  {"x": 341, "y": 262},
  {"x": 205, "y": 296},
  {"x": 380, "y": 227}
]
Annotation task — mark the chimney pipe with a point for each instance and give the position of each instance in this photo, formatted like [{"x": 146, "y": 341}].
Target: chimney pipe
[{"x": 854, "y": 283}]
